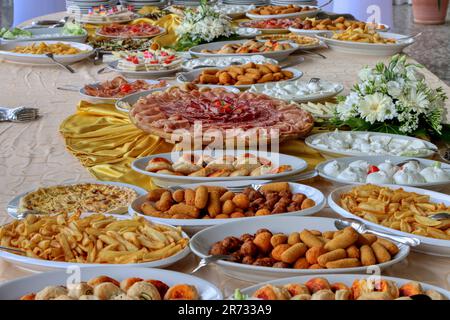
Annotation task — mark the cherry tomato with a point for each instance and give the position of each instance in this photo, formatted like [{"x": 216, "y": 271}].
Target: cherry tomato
[
  {"x": 125, "y": 88},
  {"x": 373, "y": 169}
]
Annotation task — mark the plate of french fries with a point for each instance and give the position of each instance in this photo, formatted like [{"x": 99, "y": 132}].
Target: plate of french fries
[
  {"x": 403, "y": 211},
  {"x": 366, "y": 42},
  {"x": 89, "y": 240}
]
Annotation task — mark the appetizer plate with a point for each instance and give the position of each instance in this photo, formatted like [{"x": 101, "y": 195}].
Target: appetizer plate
[
  {"x": 304, "y": 14},
  {"x": 192, "y": 226},
  {"x": 90, "y": 98},
  {"x": 431, "y": 246},
  {"x": 126, "y": 103},
  {"x": 55, "y": 34},
  {"x": 161, "y": 32},
  {"x": 13, "y": 290},
  {"x": 329, "y": 32},
  {"x": 202, "y": 242},
  {"x": 329, "y": 154},
  {"x": 212, "y": 62},
  {"x": 376, "y": 160},
  {"x": 346, "y": 279},
  {"x": 193, "y": 75},
  {"x": 13, "y": 205},
  {"x": 372, "y": 49},
  {"x": 142, "y": 74},
  {"x": 5, "y": 53},
  {"x": 277, "y": 55},
  {"x": 262, "y": 88},
  {"x": 298, "y": 165},
  {"x": 40, "y": 265}
]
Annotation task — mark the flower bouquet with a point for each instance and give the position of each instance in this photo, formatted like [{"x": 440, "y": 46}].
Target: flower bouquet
[
  {"x": 203, "y": 25},
  {"x": 392, "y": 98}
]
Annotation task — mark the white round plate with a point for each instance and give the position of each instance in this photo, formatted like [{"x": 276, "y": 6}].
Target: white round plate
[
  {"x": 40, "y": 265},
  {"x": 298, "y": 165},
  {"x": 328, "y": 153},
  {"x": 346, "y": 279},
  {"x": 277, "y": 55},
  {"x": 126, "y": 103},
  {"x": 5, "y": 53},
  {"x": 194, "y": 225},
  {"x": 432, "y": 246},
  {"x": 13, "y": 205},
  {"x": 161, "y": 32},
  {"x": 309, "y": 32},
  {"x": 52, "y": 34},
  {"x": 87, "y": 97},
  {"x": 302, "y": 99},
  {"x": 376, "y": 160},
  {"x": 304, "y": 14},
  {"x": 193, "y": 75},
  {"x": 372, "y": 49},
  {"x": 13, "y": 290},
  {"x": 203, "y": 241},
  {"x": 211, "y": 62},
  {"x": 142, "y": 74}
]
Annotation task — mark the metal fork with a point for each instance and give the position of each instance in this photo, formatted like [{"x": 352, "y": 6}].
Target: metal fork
[
  {"x": 52, "y": 57},
  {"x": 20, "y": 114},
  {"x": 312, "y": 52},
  {"x": 210, "y": 259},
  {"x": 14, "y": 250}
]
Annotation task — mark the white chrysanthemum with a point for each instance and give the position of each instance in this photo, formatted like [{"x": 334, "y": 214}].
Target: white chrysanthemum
[
  {"x": 348, "y": 108},
  {"x": 413, "y": 74},
  {"x": 394, "y": 88},
  {"x": 414, "y": 100},
  {"x": 377, "y": 107},
  {"x": 366, "y": 74}
]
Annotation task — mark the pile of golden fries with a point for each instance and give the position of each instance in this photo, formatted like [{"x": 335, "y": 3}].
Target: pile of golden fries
[
  {"x": 92, "y": 239},
  {"x": 367, "y": 35},
  {"x": 397, "y": 209},
  {"x": 43, "y": 48}
]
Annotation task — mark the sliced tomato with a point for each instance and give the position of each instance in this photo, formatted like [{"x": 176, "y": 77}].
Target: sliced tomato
[{"x": 373, "y": 169}]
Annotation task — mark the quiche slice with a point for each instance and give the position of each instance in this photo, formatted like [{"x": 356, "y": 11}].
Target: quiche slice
[{"x": 84, "y": 197}]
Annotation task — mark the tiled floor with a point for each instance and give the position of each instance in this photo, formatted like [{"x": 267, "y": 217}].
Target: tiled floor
[{"x": 432, "y": 49}]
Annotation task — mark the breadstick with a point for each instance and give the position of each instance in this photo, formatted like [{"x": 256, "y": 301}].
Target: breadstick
[
  {"x": 353, "y": 252},
  {"x": 381, "y": 253},
  {"x": 201, "y": 197},
  {"x": 182, "y": 208},
  {"x": 389, "y": 245},
  {"x": 293, "y": 253},
  {"x": 214, "y": 206},
  {"x": 189, "y": 197},
  {"x": 367, "y": 256},
  {"x": 343, "y": 263},
  {"x": 343, "y": 240},
  {"x": 310, "y": 240},
  {"x": 276, "y": 187},
  {"x": 331, "y": 256}
]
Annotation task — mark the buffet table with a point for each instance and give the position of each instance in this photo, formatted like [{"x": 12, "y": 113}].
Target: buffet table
[{"x": 33, "y": 154}]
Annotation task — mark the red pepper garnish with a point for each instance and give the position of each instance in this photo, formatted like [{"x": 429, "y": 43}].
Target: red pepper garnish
[
  {"x": 125, "y": 88},
  {"x": 373, "y": 169}
]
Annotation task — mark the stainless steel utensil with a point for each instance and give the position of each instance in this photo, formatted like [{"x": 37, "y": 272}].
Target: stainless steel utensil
[
  {"x": 14, "y": 250},
  {"x": 69, "y": 88},
  {"x": 312, "y": 52},
  {"x": 20, "y": 114},
  {"x": 440, "y": 216},
  {"x": 210, "y": 259},
  {"x": 362, "y": 228},
  {"x": 52, "y": 57}
]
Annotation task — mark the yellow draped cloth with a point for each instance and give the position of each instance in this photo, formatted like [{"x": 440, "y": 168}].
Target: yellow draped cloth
[{"x": 106, "y": 142}]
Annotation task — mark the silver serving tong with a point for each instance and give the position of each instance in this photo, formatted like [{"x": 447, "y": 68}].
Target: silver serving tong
[{"x": 52, "y": 57}]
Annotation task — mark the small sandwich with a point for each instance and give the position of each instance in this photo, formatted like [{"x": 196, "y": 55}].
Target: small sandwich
[
  {"x": 187, "y": 164},
  {"x": 247, "y": 161},
  {"x": 157, "y": 164},
  {"x": 224, "y": 163}
]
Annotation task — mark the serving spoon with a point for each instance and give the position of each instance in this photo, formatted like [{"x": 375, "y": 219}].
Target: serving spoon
[{"x": 362, "y": 228}]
